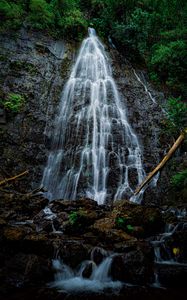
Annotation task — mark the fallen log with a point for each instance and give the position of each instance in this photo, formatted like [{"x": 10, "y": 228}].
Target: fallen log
[
  {"x": 163, "y": 161},
  {"x": 6, "y": 180}
]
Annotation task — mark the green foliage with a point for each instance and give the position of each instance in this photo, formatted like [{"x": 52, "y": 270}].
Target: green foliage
[
  {"x": 179, "y": 180},
  {"x": 41, "y": 15},
  {"x": 121, "y": 222},
  {"x": 13, "y": 102},
  {"x": 59, "y": 16},
  {"x": 130, "y": 228},
  {"x": 176, "y": 115},
  {"x": 129, "y": 31},
  {"x": 168, "y": 62},
  {"x": 73, "y": 23},
  {"x": 11, "y": 14},
  {"x": 150, "y": 31},
  {"x": 73, "y": 218},
  {"x": 55, "y": 16}
]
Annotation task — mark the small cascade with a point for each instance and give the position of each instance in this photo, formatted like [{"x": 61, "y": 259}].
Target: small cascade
[
  {"x": 159, "y": 244},
  {"x": 94, "y": 153},
  {"x": 164, "y": 255},
  {"x": 88, "y": 277},
  {"x": 156, "y": 282},
  {"x": 142, "y": 81},
  {"x": 48, "y": 214}
]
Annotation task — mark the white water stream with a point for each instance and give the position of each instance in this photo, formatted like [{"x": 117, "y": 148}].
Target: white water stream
[
  {"x": 95, "y": 153},
  {"x": 96, "y": 280},
  {"x": 163, "y": 254},
  {"x": 145, "y": 86},
  {"x": 159, "y": 241}
]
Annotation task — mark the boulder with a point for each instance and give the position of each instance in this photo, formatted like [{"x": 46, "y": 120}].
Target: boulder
[
  {"x": 172, "y": 275},
  {"x": 134, "y": 266}
]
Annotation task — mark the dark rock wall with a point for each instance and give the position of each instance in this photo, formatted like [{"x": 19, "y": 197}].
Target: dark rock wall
[
  {"x": 37, "y": 67},
  {"x": 34, "y": 66},
  {"x": 145, "y": 117}
]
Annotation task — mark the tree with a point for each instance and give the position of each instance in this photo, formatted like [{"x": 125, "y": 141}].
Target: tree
[{"x": 41, "y": 15}]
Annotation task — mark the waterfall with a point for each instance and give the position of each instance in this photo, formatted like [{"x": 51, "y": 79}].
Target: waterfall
[{"x": 95, "y": 153}]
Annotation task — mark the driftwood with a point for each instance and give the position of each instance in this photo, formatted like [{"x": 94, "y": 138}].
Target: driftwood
[
  {"x": 163, "y": 162},
  {"x": 34, "y": 192},
  {"x": 6, "y": 180}
]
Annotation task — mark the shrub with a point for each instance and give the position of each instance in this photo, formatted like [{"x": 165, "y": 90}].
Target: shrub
[
  {"x": 176, "y": 115},
  {"x": 179, "y": 180},
  {"x": 13, "y": 102},
  {"x": 11, "y": 14},
  {"x": 168, "y": 62},
  {"x": 41, "y": 15},
  {"x": 122, "y": 223},
  {"x": 73, "y": 23},
  {"x": 130, "y": 228},
  {"x": 73, "y": 217}
]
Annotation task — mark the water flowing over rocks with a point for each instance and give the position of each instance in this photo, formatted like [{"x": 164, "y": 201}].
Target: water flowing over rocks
[
  {"x": 75, "y": 233},
  {"x": 34, "y": 232},
  {"x": 90, "y": 126},
  {"x": 37, "y": 67}
]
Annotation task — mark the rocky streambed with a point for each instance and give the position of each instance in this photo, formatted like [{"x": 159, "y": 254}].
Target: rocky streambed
[{"x": 35, "y": 232}]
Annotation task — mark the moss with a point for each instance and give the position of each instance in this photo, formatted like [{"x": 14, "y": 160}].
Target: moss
[
  {"x": 19, "y": 66},
  {"x": 13, "y": 102},
  {"x": 3, "y": 57},
  {"x": 179, "y": 180}
]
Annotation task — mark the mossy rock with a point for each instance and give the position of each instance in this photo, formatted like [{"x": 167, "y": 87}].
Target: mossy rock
[
  {"x": 14, "y": 234},
  {"x": 28, "y": 67},
  {"x": 149, "y": 219},
  {"x": 79, "y": 221},
  {"x": 3, "y": 58}
]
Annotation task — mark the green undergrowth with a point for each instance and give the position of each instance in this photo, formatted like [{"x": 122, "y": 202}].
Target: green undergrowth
[
  {"x": 13, "y": 102},
  {"x": 176, "y": 116},
  {"x": 122, "y": 222},
  {"x": 179, "y": 180}
]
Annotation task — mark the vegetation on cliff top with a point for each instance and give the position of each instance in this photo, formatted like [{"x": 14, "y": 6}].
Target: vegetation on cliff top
[
  {"x": 57, "y": 17},
  {"x": 150, "y": 30}
]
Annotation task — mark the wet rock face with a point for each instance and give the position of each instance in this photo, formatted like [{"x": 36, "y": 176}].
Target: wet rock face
[
  {"x": 135, "y": 266},
  {"x": 145, "y": 117},
  {"x": 34, "y": 66}
]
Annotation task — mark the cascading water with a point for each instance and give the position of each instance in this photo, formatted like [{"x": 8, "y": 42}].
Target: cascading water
[
  {"x": 145, "y": 86},
  {"x": 164, "y": 255},
  {"x": 95, "y": 152},
  {"x": 88, "y": 277}
]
